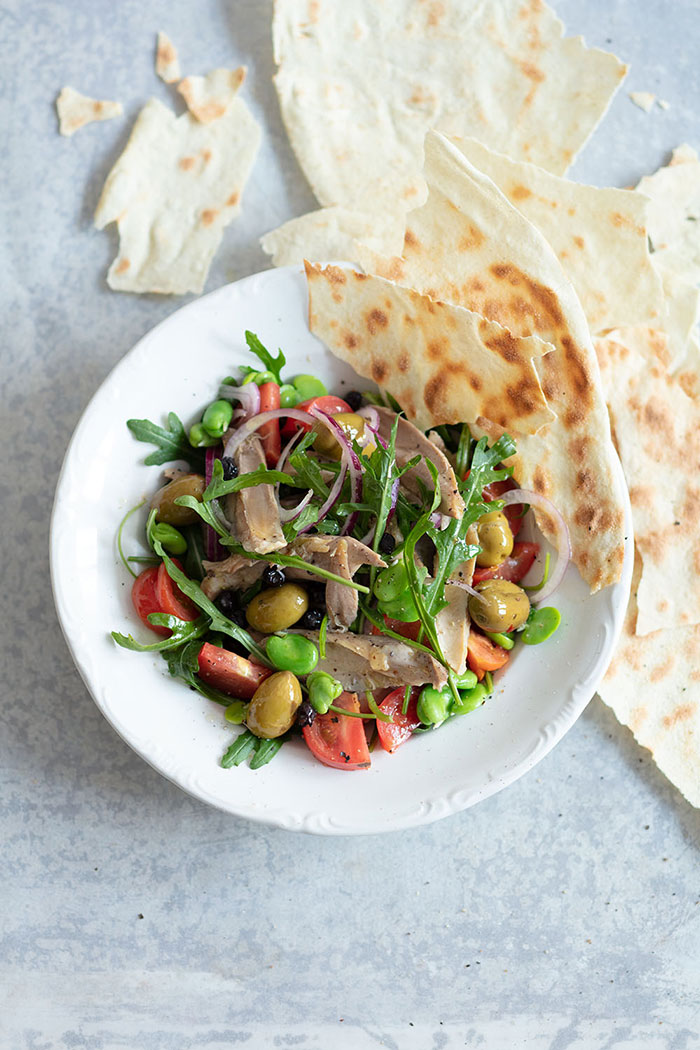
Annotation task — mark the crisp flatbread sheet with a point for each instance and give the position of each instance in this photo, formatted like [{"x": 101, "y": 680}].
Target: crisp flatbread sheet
[
  {"x": 334, "y": 233},
  {"x": 76, "y": 110},
  {"x": 442, "y": 363},
  {"x": 653, "y": 686},
  {"x": 657, "y": 432},
  {"x": 643, "y": 99},
  {"x": 209, "y": 97},
  {"x": 599, "y": 236},
  {"x": 175, "y": 187},
  {"x": 361, "y": 82},
  {"x": 167, "y": 61},
  {"x": 469, "y": 246},
  {"x": 674, "y": 213},
  {"x": 682, "y": 308}
]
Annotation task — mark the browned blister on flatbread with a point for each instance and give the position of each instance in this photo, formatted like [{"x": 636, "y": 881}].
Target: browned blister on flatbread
[
  {"x": 469, "y": 246},
  {"x": 209, "y": 97},
  {"x": 442, "y": 363}
]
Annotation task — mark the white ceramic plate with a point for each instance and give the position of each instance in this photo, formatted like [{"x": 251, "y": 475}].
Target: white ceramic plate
[{"x": 177, "y": 368}]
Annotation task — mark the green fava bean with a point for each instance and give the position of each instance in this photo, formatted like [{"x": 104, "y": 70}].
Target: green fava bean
[
  {"x": 503, "y": 640},
  {"x": 309, "y": 386},
  {"x": 541, "y": 625},
  {"x": 236, "y": 712},
  {"x": 293, "y": 653},
  {"x": 402, "y": 608},
  {"x": 470, "y": 699},
  {"x": 323, "y": 690},
  {"x": 391, "y": 583},
  {"x": 200, "y": 439},
  {"x": 289, "y": 396},
  {"x": 173, "y": 541},
  {"x": 433, "y": 705},
  {"x": 217, "y": 418},
  {"x": 466, "y": 680}
]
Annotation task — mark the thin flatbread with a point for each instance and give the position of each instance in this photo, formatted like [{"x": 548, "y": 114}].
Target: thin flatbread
[
  {"x": 443, "y": 364},
  {"x": 76, "y": 110},
  {"x": 653, "y": 686},
  {"x": 599, "y": 236},
  {"x": 334, "y": 233},
  {"x": 657, "y": 432},
  {"x": 172, "y": 192},
  {"x": 682, "y": 308},
  {"x": 209, "y": 97},
  {"x": 167, "y": 60},
  {"x": 360, "y": 83},
  {"x": 469, "y": 246},
  {"x": 674, "y": 213}
]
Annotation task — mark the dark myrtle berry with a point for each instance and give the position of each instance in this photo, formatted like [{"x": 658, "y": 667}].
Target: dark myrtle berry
[
  {"x": 228, "y": 603},
  {"x": 354, "y": 399},
  {"x": 311, "y": 620},
  {"x": 273, "y": 576},
  {"x": 230, "y": 468},
  {"x": 387, "y": 544},
  {"x": 305, "y": 715}
]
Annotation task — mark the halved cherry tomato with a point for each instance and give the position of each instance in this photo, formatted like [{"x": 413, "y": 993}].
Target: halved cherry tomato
[
  {"x": 513, "y": 512},
  {"x": 514, "y": 568},
  {"x": 328, "y": 403},
  {"x": 393, "y": 734},
  {"x": 270, "y": 432},
  {"x": 171, "y": 599},
  {"x": 145, "y": 599},
  {"x": 484, "y": 655},
  {"x": 406, "y": 630},
  {"x": 337, "y": 740},
  {"x": 229, "y": 672}
]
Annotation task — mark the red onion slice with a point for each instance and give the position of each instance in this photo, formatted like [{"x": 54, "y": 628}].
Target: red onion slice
[
  {"x": 290, "y": 513},
  {"x": 561, "y": 536},
  {"x": 251, "y": 425},
  {"x": 369, "y": 413},
  {"x": 212, "y": 548},
  {"x": 349, "y": 458},
  {"x": 248, "y": 396}
]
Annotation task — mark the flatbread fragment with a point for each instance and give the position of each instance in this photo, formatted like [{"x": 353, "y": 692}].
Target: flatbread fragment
[
  {"x": 360, "y": 84},
  {"x": 442, "y": 363},
  {"x": 657, "y": 432},
  {"x": 76, "y": 110},
  {"x": 172, "y": 192},
  {"x": 209, "y": 97},
  {"x": 674, "y": 213},
  {"x": 334, "y": 233},
  {"x": 167, "y": 60},
  {"x": 469, "y": 246},
  {"x": 643, "y": 99},
  {"x": 653, "y": 686}
]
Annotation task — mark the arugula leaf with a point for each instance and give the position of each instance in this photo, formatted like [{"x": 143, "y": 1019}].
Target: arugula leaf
[
  {"x": 182, "y": 631},
  {"x": 195, "y": 552},
  {"x": 272, "y": 364},
  {"x": 172, "y": 442},
  {"x": 122, "y": 523},
  {"x": 239, "y": 749},
  {"x": 308, "y": 516},
  {"x": 266, "y": 751},
  {"x": 261, "y": 476},
  {"x": 183, "y": 663}
]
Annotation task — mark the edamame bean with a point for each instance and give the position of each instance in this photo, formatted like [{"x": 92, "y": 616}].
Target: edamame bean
[
  {"x": 323, "y": 690},
  {"x": 391, "y": 583},
  {"x": 217, "y": 418},
  {"x": 200, "y": 439},
  {"x": 289, "y": 396},
  {"x": 293, "y": 653},
  {"x": 541, "y": 625},
  {"x": 308, "y": 386},
  {"x": 470, "y": 699},
  {"x": 433, "y": 705},
  {"x": 173, "y": 541}
]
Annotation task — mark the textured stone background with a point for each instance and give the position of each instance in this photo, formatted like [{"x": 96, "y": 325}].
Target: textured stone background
[{"x": 563, "y": 913}]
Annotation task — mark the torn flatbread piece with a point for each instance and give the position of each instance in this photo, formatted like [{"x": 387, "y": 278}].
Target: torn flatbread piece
[
  {"x": 653, "y": 686},
  {"x": 643, "y": 99},
  {"x": 682, "y": 308},
  {"x": 209, "y": 97},
  {"x": 76, "y": 110},
  {"x": 469, "y": 246},
  {"x": 657, "y": 432},
  {"x": 599, "y": 236},
  {"x": 674, "y": 213},
  {"x": 172, "y": 192},
  {"x": 360, "y": 83},
  {"x": 334, "y": 233},
  {"x": 167, "y": 60},
  {"x": 442, "y": 363}
]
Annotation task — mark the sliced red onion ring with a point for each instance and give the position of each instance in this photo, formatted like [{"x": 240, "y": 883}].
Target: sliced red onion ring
[
  {"x": 440, "y": 521},
  {"x": 248, "y": 396},
  {"x": 349, "y": 459},
  {"x": 561, "y": 536},
  {"x": 465, "y": 587},
  {"x": 369, "y": 413},
  {"x": 332, "y": 497},
  {"x": 212, "y": 548},
  {"x": 290, "y": 513},
  {"x": 251, "y": 425}
]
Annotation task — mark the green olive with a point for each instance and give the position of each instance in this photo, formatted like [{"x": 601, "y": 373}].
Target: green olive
[
  {"x": 164, "y": 500},
  {"x": 495, "y": 539},
  {"x": 350, "y": 423},
  {"x": 274, "y": 705},
  {"x": 500, "y": 606},
  {"x": 277, "y": 608}
]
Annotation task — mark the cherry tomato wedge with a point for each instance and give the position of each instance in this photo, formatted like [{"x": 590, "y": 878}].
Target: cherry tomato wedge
[
  {"x": 338, "y": 741},
  {"x": 145, "y": 599},
  {"x": 328, "y": 403},
  {"x": 393, "y": 734},
  {"x": 171, "y": 599},
  {"x": 514, "y": 512},
  {"x": 514, "y": 568},
  {"x": 406, "y": 630},
  {"x": 229, "y": 672},
  {"x": 270, "y": 432},
  {"x": 484, "y": 655}
]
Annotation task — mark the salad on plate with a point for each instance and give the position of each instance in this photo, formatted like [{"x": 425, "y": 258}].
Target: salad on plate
[{"x": 327, "y": 572}]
